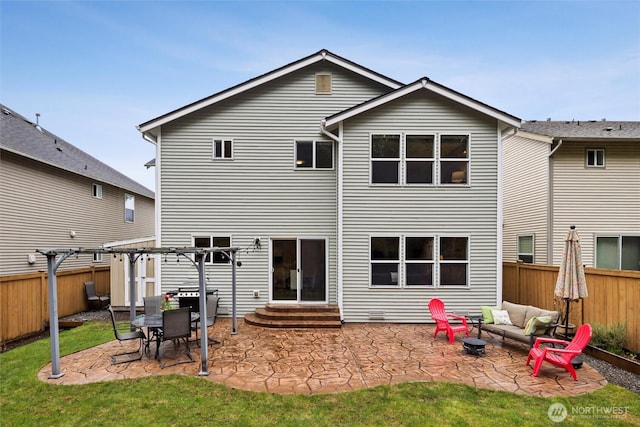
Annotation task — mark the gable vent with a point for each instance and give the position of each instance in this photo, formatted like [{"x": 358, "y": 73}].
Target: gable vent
[{"x": 323, "y": 83}]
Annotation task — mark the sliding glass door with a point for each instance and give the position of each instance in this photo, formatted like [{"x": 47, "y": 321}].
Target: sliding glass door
[{"x": 299, "y": 270}]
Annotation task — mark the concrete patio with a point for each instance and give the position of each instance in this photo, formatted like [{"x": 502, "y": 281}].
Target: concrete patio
[{"x": 359, "y": 355}]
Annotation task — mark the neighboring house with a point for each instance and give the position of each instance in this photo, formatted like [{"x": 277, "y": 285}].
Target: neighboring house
[
  {"x": 582, "y": 173},
  {"x": 359, "y": 190},
  {"x": 53, "y": 195}
]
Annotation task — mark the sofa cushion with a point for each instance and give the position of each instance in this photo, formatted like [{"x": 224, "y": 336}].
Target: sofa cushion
[
  {"x": 487, "y": 318},
  {"x": 517, "y": 313},
  {"x": 537, "y": 325},
  {"x": 538, "y": 312},
  {"x": 501, "y": 317}
]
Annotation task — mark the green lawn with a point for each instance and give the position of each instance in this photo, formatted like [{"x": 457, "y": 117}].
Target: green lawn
[{"x": 193, "y": 401}]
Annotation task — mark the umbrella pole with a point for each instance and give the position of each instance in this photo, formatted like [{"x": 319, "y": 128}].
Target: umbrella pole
[{"x": 566, "y": 321}]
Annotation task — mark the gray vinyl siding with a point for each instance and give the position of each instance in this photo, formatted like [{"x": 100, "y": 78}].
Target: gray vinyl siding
[
  {"x": 41, "y": 204},
  {"x": 598, "y": 201},
  {"x": 393, "y": 210},
  {"x": 258, "y": 193},
  {"x": 526, "y": 195}
]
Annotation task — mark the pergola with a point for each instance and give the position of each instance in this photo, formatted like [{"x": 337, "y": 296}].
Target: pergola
[{"x": 196, "y": 256}]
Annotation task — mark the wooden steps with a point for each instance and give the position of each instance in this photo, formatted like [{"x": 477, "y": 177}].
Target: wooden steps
[{"x": 295, "y": 316}]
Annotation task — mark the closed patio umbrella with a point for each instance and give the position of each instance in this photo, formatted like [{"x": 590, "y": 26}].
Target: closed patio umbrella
[{"x": 571, "y": 284}]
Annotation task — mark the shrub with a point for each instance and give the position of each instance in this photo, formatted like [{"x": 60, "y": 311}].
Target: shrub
[{"x": 610, "y": 338}]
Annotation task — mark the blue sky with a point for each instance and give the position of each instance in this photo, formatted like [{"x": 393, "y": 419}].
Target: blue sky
[{"x": 96, "y": 69}]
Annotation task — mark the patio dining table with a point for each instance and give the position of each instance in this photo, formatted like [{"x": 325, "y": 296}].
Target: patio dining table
[{"x": 153, "y": 322}]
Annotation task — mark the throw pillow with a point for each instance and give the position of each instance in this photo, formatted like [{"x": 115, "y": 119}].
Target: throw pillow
[
  {"x": 537, "y": 322},
  {"x": 501, "y": 317},
  {"x": 486, "y": 313}
]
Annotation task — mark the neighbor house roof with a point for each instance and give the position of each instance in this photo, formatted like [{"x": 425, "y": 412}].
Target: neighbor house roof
[
  {"x": 27, "y": 139},
  {"x": 582, "y": 130},
  {"x": 431, "y": 86},
  {"x": 322, "y": 55}
]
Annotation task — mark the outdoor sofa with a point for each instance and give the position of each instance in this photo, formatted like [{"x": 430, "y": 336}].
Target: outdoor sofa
[{"x": 527, "y": 322}]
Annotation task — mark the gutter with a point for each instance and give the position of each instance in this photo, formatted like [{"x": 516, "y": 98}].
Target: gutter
[
  {"x": 550, "y": 206},
  {"x": 340, "y": 225}
]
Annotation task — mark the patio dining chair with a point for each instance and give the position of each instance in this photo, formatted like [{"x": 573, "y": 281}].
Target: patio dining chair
[
  {"x": 212, "y": 311},
  {"x": 93, "y": 298},
  {"x": 436, "y": 307},
  {"x": 562, "y": 356},
  {"x": 124, "y": 333},
  {"x": 152, "y": 305},
  {"x": 176, "y": 326}
]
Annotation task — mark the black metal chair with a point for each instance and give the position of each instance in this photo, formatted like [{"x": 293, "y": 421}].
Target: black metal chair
[
  {"x": 176, "y": 325},
  {"x": 123, "y": 334},
  {"x": 212, "y": 312},
  {"x": 93, "y": 298}
]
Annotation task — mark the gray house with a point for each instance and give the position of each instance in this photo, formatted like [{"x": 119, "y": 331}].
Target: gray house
[
  {"x": 582, "y": 173},
  {"x": 54, "y": 195},
  {"x": 344, "y": 186}
]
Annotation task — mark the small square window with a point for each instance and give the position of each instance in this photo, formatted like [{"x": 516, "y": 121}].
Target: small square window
[
  {"x": 97, "y": 257},
  {"x": 211, "y": 242},
  {"x": 595, "y": 158},
  {"x": 96, "y": 190},
  {"x": 222, "y": 148}
]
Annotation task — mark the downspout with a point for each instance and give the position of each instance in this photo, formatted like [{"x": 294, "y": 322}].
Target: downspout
[
  {"x": 339, "y": 231},
  {"x": 550, "y": 206},
  {"x": 156, "y": 140}
]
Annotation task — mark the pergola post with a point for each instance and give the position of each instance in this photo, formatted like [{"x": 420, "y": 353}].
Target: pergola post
[
  {"x": 204, "y": 344},
  {"x": 234, "y": 331}
]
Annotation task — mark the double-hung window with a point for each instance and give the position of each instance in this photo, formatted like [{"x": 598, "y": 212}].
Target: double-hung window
[
  {"x": 419, "y": 261},
  {"x": 211, "y": 242},
  {"x": 385, "y": 261},
  {"x": 419, "y": 159},
  {"x": 314, "y": 155},
  {"x": 454, "y": 261},
  {"x": 525, "y": 248},
  {"x": 454, "y": 159},
  {"x": 129, "y": 208},
  {"x": 222, "y": 148},
  {"x": 385, "y": 159}
]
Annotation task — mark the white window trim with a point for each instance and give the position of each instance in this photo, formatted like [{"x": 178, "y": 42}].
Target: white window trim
[
  {"x": 399, "y": 281},
  {"x": 402, "y": 262},
  {"x": 97, "y": 257},
  {"x": 533, "y": 246},
  {"x": 595, "y": 151},
  {"x": 405, "y": 159},
  {"x": 125, "y": 208},
  {"x": 313, "y": 154},
  {"x": 437, "y": 160},
  {"x": 467, "y": 262},
  {"x": 223, "y": 140},
  {"x": 210, "y": 237},
  {"x": 407, "y": 261},
  {"x": 386, "y": 159},
  {"x": 96, "y": 191},
  {"x": 619, "y": 246}
]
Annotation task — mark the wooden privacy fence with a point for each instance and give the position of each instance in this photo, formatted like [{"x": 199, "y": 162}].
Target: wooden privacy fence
[
  {"x": 24, "y": 300},
  {"x": 614, "y": 295}
]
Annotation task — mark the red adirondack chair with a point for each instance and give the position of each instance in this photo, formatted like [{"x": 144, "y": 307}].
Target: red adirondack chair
[
  {"x": 436, "y": 307},
  {"x": 561, "y": 357}
]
